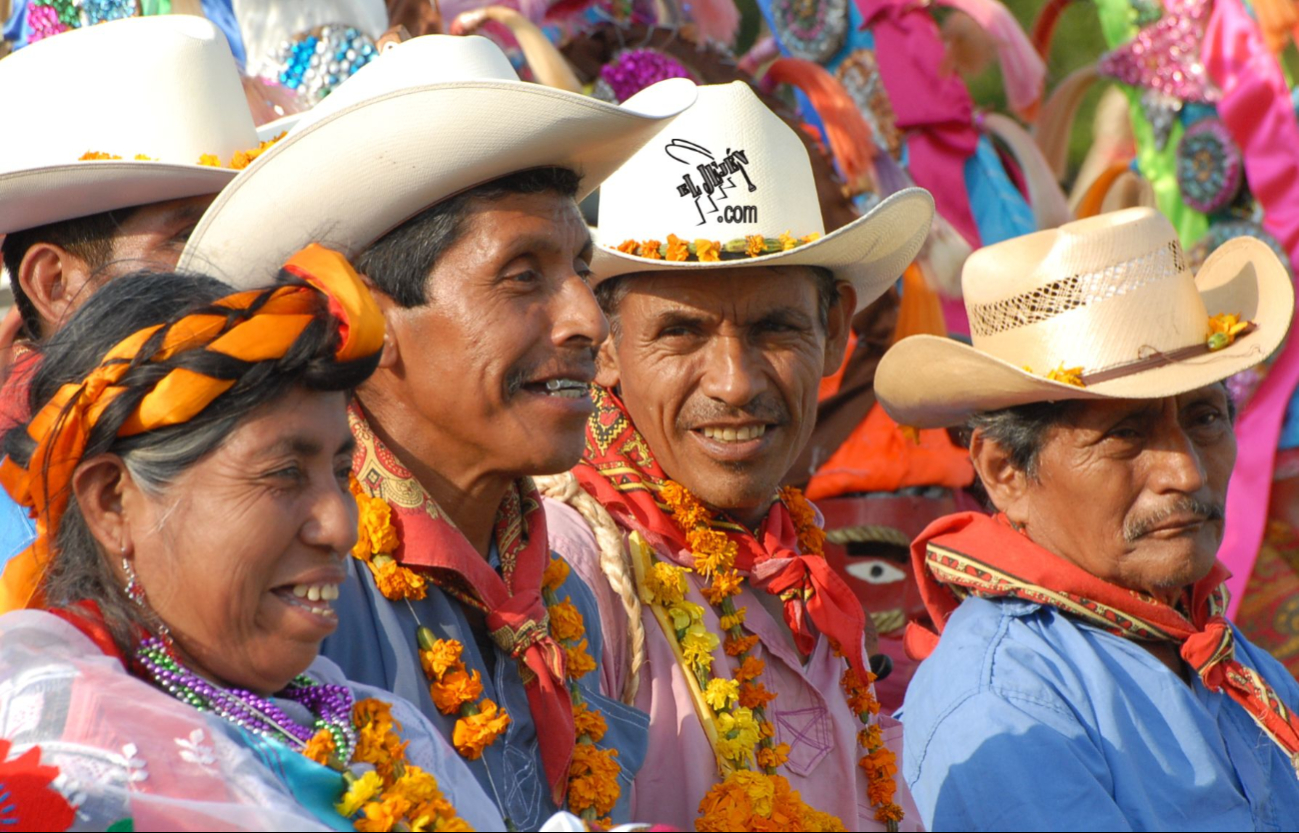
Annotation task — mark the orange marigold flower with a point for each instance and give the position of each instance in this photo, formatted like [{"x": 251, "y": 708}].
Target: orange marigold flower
[
  {"x": 395, "y": 581},
  {"x": 733, "y": 620},
  {"x": 589, "y": 722},
  {"x": 1067, "y": 376},
  {"x": 773, "y": 756},
  {"x": 444, "y": 656},
  {"x": 580, "y": 662},
  {"x": 320, "y": 748},
  {"x": 96, "y": 156},
  {"x": 678, "y": 249},
  {"x": 556, "y": 574},
  {"x": 474, "y": 733},
  {"x": 750, "y": 669},
  {"x": 373, "y": 711},
  {"x": 713, "y": 551},
  {"x": 593, "y": 779},
  {"x": 810, "y": 238},
  {"x": 755, "y": 696},
  {"x": 628, "y": 247},
  {"x": 870, "y": 737},
  {"x": 708, "y": 251},
  {"x": 723, "y": 586},
  {"x": 650, "y": 250},
  {"x": 566, "y": 623},
  {"x": 889, "y": 812},
  {"x": 735, "y": 647},
  {"x": 383, "y": 816},
  {"x": 755, "y": 245},
  {"x": 456, "y": 689},
  {"x": 766, "y": 730},
  {"x": 376, "y": 534},
  {"x": 210, "y": 160}
]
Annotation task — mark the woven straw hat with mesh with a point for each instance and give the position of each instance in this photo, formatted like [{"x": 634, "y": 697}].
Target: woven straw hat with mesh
[{"x": 1111, "y": 295}]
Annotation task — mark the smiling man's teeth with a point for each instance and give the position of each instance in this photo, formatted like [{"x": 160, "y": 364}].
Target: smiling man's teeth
[
  {"x": 567, "y": 388},
  {"x": 734, "y": 435},
  {"x": 316, "y": 592}
]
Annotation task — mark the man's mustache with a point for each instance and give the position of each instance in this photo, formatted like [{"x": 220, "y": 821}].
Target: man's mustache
[
  {"x": 767, "y": 408},
  {"x": 1140, "y": 527}
]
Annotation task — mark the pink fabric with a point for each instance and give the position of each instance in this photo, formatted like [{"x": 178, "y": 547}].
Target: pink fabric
[
  {"x": 932, "y": 107},
  {"x": 1022, "y": 69},
  {"x": 810, "y": 712},
  {"x": 1257, "y": 110}
]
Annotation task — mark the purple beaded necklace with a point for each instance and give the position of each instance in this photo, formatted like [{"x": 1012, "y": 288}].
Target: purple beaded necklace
[{"x": 331, "y": 705}]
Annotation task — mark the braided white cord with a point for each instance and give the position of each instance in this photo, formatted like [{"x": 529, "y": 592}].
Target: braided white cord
[{"x": 615, "y": 563}]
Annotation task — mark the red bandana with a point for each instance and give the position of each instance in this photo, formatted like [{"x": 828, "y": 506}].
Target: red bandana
[
  {"x": 973, "y": 554},
  {"x": 619, "y": 469},
  {"x": 516, "y": 616}
]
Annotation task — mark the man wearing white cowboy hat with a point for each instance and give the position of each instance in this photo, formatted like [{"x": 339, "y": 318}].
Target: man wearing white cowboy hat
[
  {"x": 1086, "y": 676},
  {"x": 101, "y": 178},
  {"x": 728, "y": 304},
  {"x": 452, "y": 186}
]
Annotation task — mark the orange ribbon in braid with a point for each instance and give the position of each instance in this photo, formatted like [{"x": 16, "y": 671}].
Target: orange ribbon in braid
[{"x": 272, "y": 321}]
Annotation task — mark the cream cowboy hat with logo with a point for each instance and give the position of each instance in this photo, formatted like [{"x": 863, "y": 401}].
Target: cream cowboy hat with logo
[
  {"x": 164, "y": 87},
  {"x": 430, "y": 118},
  {"x": 729, "y": 169},
  {"x": 1109, "y": 300}
]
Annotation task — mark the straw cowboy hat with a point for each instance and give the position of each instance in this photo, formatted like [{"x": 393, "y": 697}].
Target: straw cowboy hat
[
  {"x": 1106, "y": 307},
  {"x": 729, "y": 171},
  {"x": 432, "y": 117},
  {"x": 170, "y": 92}
]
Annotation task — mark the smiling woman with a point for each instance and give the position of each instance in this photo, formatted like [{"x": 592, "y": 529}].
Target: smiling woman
[{"x": 187, "y": 465}]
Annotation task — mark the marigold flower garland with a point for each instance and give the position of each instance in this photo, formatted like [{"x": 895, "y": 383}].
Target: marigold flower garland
[
  {"x": 593, "y": 788},
  {"x": 744, "y": 801},
  {"x": 241, "y": 159},
  {"x": 712, "y": 251}
]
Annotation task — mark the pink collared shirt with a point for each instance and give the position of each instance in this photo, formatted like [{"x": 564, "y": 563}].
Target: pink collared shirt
[{"x": 810, "y": 712}]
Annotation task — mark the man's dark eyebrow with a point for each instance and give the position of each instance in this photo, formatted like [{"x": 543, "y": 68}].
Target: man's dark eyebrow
[
  {"x": 348, "y": 447},
  {"x": 786, "y": 316},
  {"x": 678, "y": 318}
]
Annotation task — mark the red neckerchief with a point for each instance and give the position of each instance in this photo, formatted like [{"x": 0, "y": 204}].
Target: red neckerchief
[
  {"x": 24, "y": 359},
  {"x": 516, "y": 616},
  {"x": 86, "y": 617},
  {"x": 973, "y": 554},
  {"x": 620, "y": 471}
]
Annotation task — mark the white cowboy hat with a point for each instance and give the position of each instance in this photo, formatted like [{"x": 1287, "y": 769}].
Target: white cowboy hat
[
  {"x": 1107, "y": 302},
  {"x": 729, "y": 169},
  {"x": 432, "y": 117},
  {"x": 164, "y": 87}
]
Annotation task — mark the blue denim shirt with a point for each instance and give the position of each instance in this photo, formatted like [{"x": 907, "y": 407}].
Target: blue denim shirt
[{"x": 1025, "y": 719}]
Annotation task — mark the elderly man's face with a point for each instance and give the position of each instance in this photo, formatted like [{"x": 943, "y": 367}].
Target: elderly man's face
[
  {"x": 720, "y": 371},
  {"x": 1132, "y": 491},
  {"x": 497, "y": 365}
]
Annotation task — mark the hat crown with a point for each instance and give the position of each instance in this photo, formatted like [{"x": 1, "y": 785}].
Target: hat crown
[
  {"x": 726, "y": 168},
  {"x": 418, "y": 62},
  {"x": 170, "y": 91},
  {"x": 1093, "y": 293}
]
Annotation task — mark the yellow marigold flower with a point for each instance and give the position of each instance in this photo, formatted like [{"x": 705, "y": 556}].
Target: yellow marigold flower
[
  {"x": 1067, "y": 376},
  {"x": 750, "y": 669},
  {"x": 444, "y": 656},
  {"x": 474, "y": 733},
  {"x": 589, "y": 723},
  {"x": 723, "y": 586},
  {"x": 742, "y": 645},
  {"x": 755, "y": 696},
  {"x": 870, "y": 737},
  {"x": 735, "y": 750},
  {"x": 566, "y": 623},
  {"x": 678, "y": 249},
  {"x": 755, "y": 245},
  {"x": 593, "y": 779},
  {"x": 210, "y": 160},
  {"x": 651, "y": 250},
  {"x": 810, "y": 238},
  {"x": 815, "y": 821},
  {"x": 1223, "y": 330},
  {"x": 697, "y": 647},
  {"x": 708, "y": 251},
  {"x": 774, "y": 756},
  {"x": 395, "y": 581},
  {"x": 358, "y": 793},
  {"x": 320, "y": 748},
  {"x": 455, "y": 689},
  {"x": 96, "y": 156},
  {"x": 580, "y": 662},
  {"x": 418, "y": 786},
  {"x": 787, "y": 241},
  {"x": 739, "y": 723},
  {"x": 376, "y": 534},
  {"x": 734, "y": 620},
  {"x": 684, "y": 614},
  {"x": 556, "y": 574},
  {"x": 665, "y": 583},
  {"x": 713, "y": 551},
  {"x": 628, "y": 247},
  {"x": 720, "y": 694},
  {"x": 140, "y": 157}
]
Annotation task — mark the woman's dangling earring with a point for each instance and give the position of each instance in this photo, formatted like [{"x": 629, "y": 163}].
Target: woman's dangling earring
[{"x": 135, "y": 592}]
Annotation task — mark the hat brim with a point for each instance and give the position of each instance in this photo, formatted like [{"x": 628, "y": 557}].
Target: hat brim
[
  {"x": 38, "y": 196},
  {"x": 871, "y": 252},
  {"x": 346, "y": 180},
  {"x": 933, "y": 382}
]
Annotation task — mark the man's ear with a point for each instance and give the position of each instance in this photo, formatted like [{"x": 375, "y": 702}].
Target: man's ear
[
  {"x": 1006, "y": 484},
  {"x": 838, "y": 327},
  {"x": 391, "y": 356},
  {"x": 106, "y": 494},
  {"x": 606, "y": 364},
  {"x": 52, "y": 278}
]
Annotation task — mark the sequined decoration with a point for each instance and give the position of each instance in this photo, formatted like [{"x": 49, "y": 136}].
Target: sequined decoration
[
  {"x": 860, "y": 75},
  {"x": 44, "y": 22},
  {"x": 814, "y": 30},
  {"x": 317, "y": 62},
  {"x": 1165, "y": 56},
  {"x": 98, "y": 11},
  {"x": 1220, "y": 233},
  {"x": 1209, "y": 167},
  {"x": 632, "y": 70},
  {"x": 50, "y": 17}
]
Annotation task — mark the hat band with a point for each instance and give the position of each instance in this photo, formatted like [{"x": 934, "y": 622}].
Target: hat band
[
  {"x": 1079, "y": 290},
  {"x": 710, "y": 251},
  {"x": 1155, "y": 360}
]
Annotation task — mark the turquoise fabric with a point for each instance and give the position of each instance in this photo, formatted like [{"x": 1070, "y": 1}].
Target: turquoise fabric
[{"x": 317, "y": 788}]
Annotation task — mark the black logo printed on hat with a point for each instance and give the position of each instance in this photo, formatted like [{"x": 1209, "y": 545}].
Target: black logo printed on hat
[{"x": 716, "y": 178}]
